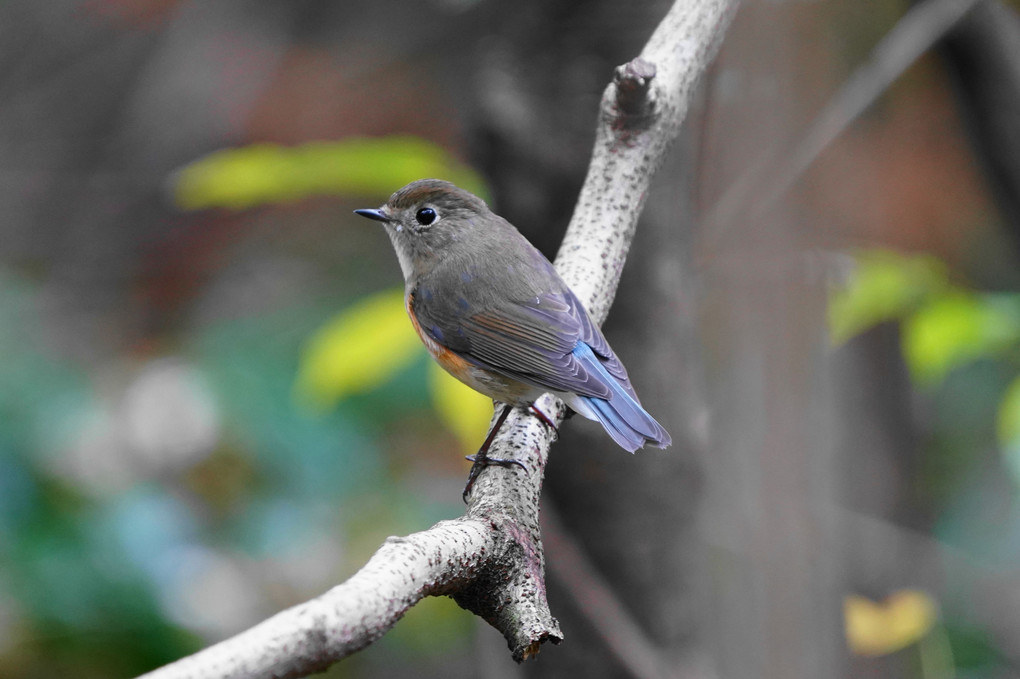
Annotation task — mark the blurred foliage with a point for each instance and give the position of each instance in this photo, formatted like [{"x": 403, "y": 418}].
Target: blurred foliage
[
  {"x": 365, "y": 346},
  {"x": 67, "y": 570},
  {"x": 944, "y": 325},
  {"x": 431, "y": 627},
  {"x": 357, "y": 350},
  {"x": 140, "y": 521},
  {"x": 149, "y": 506},
  {"x": 973, "y": 651},
  {"x": 960, "y": 347},
  {"x": 268, "y": 173},
  {"x": 463, "y": 410},
  {"x": 125, "y": 564},
  {"x": 885, "y": 286},
  {"x": 874, "y": 629},
  {"x": 956, "y": 327},
  {"x": 1008, "y": 425}
]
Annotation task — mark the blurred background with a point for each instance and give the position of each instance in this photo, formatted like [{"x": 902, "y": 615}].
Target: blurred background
[{"x": 212, "y": 406}]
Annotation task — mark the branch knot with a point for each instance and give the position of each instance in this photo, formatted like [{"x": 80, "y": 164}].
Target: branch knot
[{"x": 633, "y": 108}]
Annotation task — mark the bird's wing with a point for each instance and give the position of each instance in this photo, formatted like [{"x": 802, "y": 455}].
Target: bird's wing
[{"x": 532, "y": 341}]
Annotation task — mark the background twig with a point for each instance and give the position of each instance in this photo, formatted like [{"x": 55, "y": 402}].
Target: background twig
[{"x": 759, "y": 187}]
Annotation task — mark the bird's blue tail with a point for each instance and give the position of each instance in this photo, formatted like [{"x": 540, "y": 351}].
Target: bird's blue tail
[{"x": 624, "y": 419}]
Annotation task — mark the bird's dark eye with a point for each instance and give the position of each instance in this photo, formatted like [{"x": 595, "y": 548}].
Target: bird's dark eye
[{"x": 426, "y": 216}]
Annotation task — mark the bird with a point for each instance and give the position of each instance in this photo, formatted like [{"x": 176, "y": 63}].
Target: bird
[{"x": 494, "y": 313}]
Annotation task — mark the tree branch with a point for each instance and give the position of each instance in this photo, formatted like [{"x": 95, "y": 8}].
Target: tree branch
[
  {"x": 630, "y": 143},
  {"x": 491, "y": 560}
]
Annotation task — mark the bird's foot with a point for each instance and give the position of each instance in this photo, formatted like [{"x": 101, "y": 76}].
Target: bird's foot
[{"x": 480, "y": 461}]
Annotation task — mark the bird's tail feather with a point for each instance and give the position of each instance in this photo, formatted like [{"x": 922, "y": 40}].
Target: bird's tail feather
[{"x": 621, "y": 415}]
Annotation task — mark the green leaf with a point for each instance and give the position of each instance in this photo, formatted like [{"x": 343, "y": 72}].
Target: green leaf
[
  {"x": 269, "y": 173},
  {"x": 973, "y": 650},
  {"x": 958, "y": 327},
  {"x": 884, "y": 286},
  {"x": 358, "y": 350}
]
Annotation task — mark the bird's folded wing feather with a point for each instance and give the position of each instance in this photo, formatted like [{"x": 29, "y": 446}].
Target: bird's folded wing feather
[{"x": 531, "y": 341}]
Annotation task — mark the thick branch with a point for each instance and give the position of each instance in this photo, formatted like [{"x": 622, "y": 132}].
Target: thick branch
[
  {"x": 491, "y": 560},
  {"x": 311, "y": 636}
]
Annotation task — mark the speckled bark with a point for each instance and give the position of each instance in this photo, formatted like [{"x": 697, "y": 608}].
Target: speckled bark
[
  {"x": 510, "y": 593},
  {"x": 491, "y": 560},
  {"x": 630, "y": 145}
]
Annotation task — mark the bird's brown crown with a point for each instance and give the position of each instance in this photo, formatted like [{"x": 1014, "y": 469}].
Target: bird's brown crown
[{"x": 435, "y": 192}]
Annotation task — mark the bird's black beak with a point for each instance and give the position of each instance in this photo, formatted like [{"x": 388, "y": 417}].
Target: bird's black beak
[{"x": 376, "y": 214}]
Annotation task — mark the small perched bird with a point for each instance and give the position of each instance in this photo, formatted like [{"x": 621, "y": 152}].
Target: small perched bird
[{"x": 494, "y": 313}]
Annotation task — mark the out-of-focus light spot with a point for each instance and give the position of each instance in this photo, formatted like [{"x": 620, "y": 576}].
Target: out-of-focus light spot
[
  {"x": 311, "y": 566},
  {"x": 211, "y": 593},
  {"x": 164, "y": 419},
  {"x": 151, "y": 526},
  {"x": 170, "y": 416}
]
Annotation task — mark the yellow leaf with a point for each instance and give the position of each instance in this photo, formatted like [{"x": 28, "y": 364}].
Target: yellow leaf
[
  {"x": 463, "y": 410},
  {"x": 359, "y": 349},
  {"x": 874, "y": 629},
  {"x": 269, "y": 173}
]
